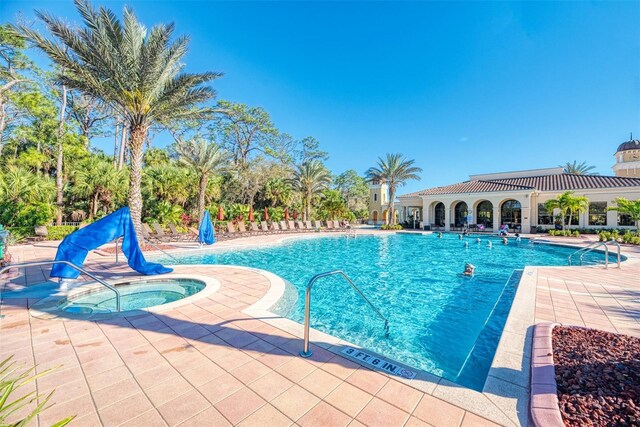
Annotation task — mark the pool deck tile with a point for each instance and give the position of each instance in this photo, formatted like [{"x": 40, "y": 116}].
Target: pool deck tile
[{"x": 208, "y": 362}]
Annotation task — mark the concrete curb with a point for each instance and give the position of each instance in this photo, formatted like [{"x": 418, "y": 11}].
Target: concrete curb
[{"x": 544, "y": 391}]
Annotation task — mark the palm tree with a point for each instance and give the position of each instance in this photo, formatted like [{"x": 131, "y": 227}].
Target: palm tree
[
  {"x": 394, "y": 171},
  {"x": 278, "y": 192},
  {"x": 19, "y": 185},
  {"x": 628, "y": 207},
  {"x": 567, "y": 204},
  {"x": 138, "y": 73},
  {"x": 310, "y": 179},
  {"x": 99, "y": 180},
  {"x": 206, "y": 159},
  {"x": 578, "y": 168}
]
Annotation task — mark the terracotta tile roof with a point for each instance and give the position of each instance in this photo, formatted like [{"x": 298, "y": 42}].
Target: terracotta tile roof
[{"x": 559, "y": 182}]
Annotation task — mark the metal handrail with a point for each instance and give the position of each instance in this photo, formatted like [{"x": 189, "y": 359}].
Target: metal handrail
[
  {"x": 307, "y": 307},
  {"x": 585, "y": 250},
  {"x": 70, "y": 264}
]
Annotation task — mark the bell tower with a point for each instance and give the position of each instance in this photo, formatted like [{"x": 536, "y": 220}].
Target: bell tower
[
  {"x": 378, "y": 202},
  {"x": 628, "y": 159}
]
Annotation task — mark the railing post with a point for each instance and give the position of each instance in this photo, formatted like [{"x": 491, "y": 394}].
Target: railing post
[{"x": 306, "y": 352}]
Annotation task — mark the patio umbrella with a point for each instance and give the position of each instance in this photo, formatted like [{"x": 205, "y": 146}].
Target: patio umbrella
[
  {"x": 251, "y": 214},
  {"x": 220, "y": 213},
  {"x": 286, "y": 214},
  {"x": 206, "y": 235},
  {"x": 295, "y": 215},
  {"x": 266, "y": 214}
]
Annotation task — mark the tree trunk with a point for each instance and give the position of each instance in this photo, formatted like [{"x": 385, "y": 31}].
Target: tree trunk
[
  {"x": 201, "y": 201},
  {"x": 137, "y": 137},
  {"x": 392, "y": 196},
  {"x": 307, "y": 207},
  {"x": 123, "y": 147},
  {"x": 95, "y": 205},
  {"x": 3, "y": 123},
  {"x": 59, "y": 163},
  {"x": 115, "y": 147}
]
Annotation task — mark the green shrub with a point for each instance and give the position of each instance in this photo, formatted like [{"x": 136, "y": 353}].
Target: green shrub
[
  {"x": 391, "y": 227},
  {"x": 59, "y": 232},
  {"x": 552, "y": 232},
  {"x": 576, "y": 233}
]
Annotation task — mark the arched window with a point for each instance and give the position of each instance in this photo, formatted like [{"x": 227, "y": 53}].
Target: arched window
[
  {"x": 375, "y": 197},
  {"x": 460, "y": 215},
  {"x": 439, "y": 214},
  {"x": 511, "y": 212},
  {"x": 484, "y": 213}
]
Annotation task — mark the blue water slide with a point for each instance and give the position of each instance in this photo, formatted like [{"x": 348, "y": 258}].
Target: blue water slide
[{"x": 75, "y": 247}]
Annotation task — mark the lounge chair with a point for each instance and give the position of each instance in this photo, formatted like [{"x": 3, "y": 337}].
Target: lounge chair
[
  {"x": 292, "y": 226},
  {"x": 243, "y": 229},
  {"x": 255, "y": 228},
  {"x": 317, "y": 225},
  {"x": 336, "y": 225},
  {"x": 329, "y": 225},
  {"x": 162, "y": 236},
  {"x": 308, "y": 226},
  {"x": 301, "y": 226},
  {"x": 147, "y": 233},
  {"x": 173, "y": 232},
  {"x": 265, "y": 227},
  {"x": 283, "y": 226}
]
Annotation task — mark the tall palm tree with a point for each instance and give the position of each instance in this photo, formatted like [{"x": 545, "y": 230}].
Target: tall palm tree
[
  {"x": 628, "y": 207},
  {"x": 579, "y": 168},
  {"x": 310, "y": 179},
  {"x": 278, "y": 192},
  {"x": 394, "y": 171},
  {"x": 206, "y": 159},
  {"x": 138, "y": 73},
  {"x": 567, "y": 204}
]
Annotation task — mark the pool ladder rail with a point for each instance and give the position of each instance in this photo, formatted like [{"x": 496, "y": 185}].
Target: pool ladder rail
[
  {"x": 72, "y": 265},
  {"x": 593, "y": 246},
  {"x": 350, "y": 232},
  {"x": 306, "y": 352}
]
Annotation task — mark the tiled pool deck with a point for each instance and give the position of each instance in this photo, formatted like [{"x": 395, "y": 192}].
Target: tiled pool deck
[{"x": 210, "y": 363}]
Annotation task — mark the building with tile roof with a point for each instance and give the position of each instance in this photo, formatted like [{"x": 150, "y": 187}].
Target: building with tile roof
[{"x": 516, "y": 199}]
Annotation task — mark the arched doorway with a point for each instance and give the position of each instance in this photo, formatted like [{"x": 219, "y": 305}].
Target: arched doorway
[
  {"x": 439, "y": 214},
  {"x": 374, "y": 215},
  {"x": 460, "y": 214},
  {"x": 511, "y": 213},
  {"x": 484, "y": 213},
  {"x": 385, "y": 216}
]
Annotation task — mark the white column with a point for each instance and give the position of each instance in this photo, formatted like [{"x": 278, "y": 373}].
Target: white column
[
  {"x": 447, "y": 217},
  {"x": 496, "y": 218}
]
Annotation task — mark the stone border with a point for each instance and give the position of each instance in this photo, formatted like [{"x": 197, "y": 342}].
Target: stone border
[
  {"x": 47, "y": 308},
  {"x": 544, "y": 410}
]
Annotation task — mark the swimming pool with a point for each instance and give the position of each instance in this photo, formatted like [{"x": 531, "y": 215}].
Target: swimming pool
[{"x": 440, "y": 321}]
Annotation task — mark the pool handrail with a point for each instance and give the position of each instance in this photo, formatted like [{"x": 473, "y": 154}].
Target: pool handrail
[
  {"x": 306, "y": 352},
  {"x": 585, "y": 250},
  {"x": 70, "y": 264}
]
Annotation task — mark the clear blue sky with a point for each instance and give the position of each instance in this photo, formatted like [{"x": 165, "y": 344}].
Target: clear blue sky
[{"x": 463, "y": 88}]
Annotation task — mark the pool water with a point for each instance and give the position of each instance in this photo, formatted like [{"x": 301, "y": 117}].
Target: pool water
[
  {"x": 135, "y": 296},
  {"x": 440, "y": 321}
]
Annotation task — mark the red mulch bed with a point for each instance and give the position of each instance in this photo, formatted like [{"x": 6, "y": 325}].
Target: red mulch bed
[
  {"x": 598, "y": 376},
  {"x": 145, "y": 248}
]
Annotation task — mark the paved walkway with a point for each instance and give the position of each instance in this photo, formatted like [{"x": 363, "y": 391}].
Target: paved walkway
[{"x": 208, "y": 363}]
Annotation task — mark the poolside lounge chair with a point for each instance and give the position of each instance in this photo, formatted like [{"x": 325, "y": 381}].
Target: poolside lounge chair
[
  {"x": 283, "y": 226},
  {"x": 317, "y": 225},
  {"x": 292, "y": 225},
  {"x": 337, "y": 225},
  {"x": 178, "y": 236},
  {"x": 255, "y": 228},
  {"x": 243, "y": 229},
  {"x": 308, "y": 226},
  {"x": 265, "y": 227},
  {"x": 160, "y": 233},
  {"x": 329, "y": 225},
  {"x": 147, "y": 233},
  {"x": 301, "y": 226}
]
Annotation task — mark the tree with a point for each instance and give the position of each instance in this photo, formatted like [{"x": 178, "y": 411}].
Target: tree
[
  {"x": 206, "y": 159},
  {"x": 628, "y": 207},
  {"x": 150, "y": 89},
  {"x": 278, "y": 192},
  {"x": 333, "y": 205},
  {"x": 246, "y": 130},
  {"x": 354, "y": 189},
  {"x": 567, "y": 204},
  {"x": 99, "y": 180},
  {"x": 89, "y": 113},
  {"x": 310, "y": 179},
  {"x": 394, "y": 171},
  {"x": 309, "y": 150},
  {"x": 578, "y": 168}
]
